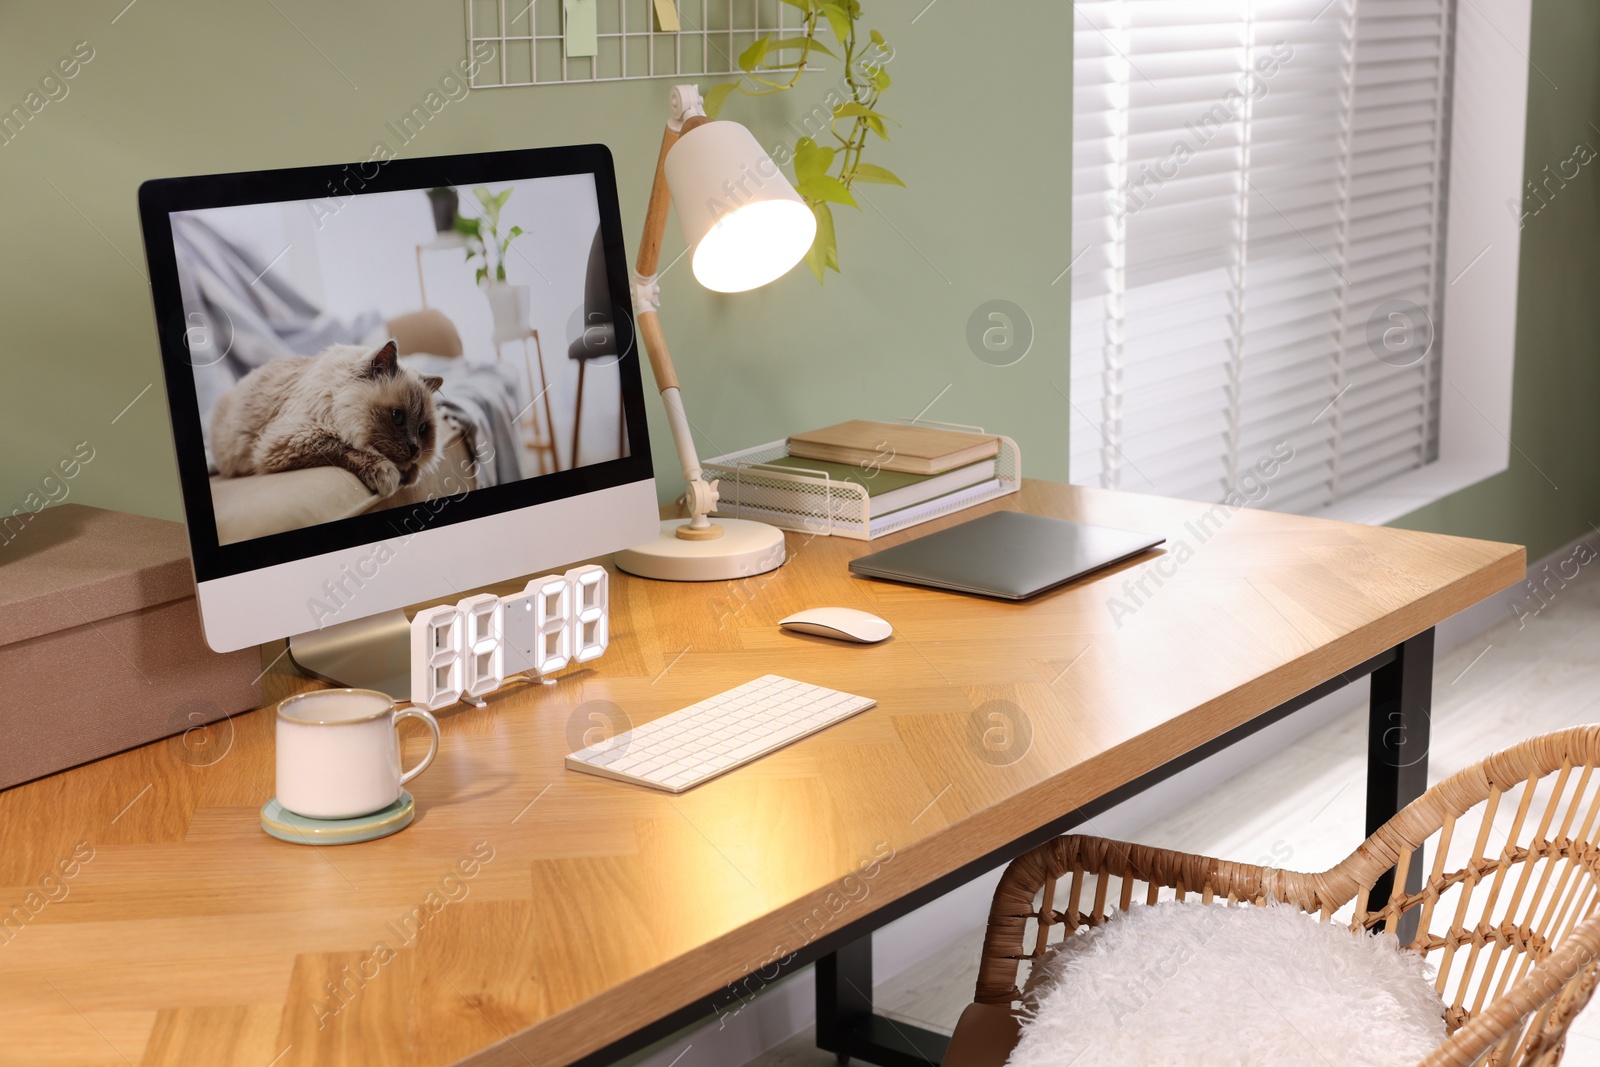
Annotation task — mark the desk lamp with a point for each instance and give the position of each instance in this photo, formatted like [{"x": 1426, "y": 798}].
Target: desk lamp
[{"x": 747, "y": 226}]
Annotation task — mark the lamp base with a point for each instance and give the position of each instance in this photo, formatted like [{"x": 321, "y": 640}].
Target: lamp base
[{"x": 744, "y": 549}]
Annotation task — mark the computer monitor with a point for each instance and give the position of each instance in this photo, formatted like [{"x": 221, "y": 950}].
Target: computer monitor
[{"x": 392, "y": 382}]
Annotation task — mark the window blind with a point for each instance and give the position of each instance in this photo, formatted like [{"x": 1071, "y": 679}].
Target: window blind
[{"x": 1258, "y": 234}]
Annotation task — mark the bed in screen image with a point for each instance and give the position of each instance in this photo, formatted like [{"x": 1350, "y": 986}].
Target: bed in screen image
[{"x": 397, "y": 348}]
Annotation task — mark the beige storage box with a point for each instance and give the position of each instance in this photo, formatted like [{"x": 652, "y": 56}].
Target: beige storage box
[{"x": 100, "y": 643}]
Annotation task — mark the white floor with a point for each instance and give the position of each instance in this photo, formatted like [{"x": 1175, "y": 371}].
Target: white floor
[{"x": 1303, "y": 809}]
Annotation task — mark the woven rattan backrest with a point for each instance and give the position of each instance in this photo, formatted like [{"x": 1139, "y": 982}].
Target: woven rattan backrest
[
  {"x": 1511, "y": 865},
  {"x": 1506, "y": 911}
]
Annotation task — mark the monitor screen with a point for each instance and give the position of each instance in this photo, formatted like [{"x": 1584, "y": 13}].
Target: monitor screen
[{"x": 355, "y": 354}]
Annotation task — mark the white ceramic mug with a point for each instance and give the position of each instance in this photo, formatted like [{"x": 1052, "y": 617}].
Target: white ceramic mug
[{"x": 339, "y": 752}]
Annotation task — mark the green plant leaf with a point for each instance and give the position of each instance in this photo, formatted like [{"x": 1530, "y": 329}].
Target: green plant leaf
[
  {"x": 789, "y": 43},
  {"x": 803, "y": 5},
  {"x": 870, "y": 172},
  {"x": 468, "y": 227},
  {"x": 751, "y": 57},
  {"x": 838, "y": 16},
  {"x": 877, "y": 38},
  {"x": 824, "y": 250},
  {"x": 491, "y": 206},
  {"x": 483, "y": 272},
  {"x": 880, "y": 79},
  {"x": 810, "y": 161},
  {"x": 718, "y": 96},
  {"x": 825, "y": 187},
  {"x": 873, "y": 119},
  {"x": 851, "y": 109}
]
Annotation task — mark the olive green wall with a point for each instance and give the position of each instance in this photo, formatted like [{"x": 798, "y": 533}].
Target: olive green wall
[
  {"x": 1550, "y": 495},
  {"x": 181, "y": 87}
]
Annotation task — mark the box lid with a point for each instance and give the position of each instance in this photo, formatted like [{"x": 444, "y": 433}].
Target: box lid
[{"x": 72, "y": 564}]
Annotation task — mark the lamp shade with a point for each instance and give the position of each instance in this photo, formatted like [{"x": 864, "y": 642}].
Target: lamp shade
[{"x": 741, "y": 216}]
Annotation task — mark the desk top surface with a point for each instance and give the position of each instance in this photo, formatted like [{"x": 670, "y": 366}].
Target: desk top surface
[{"x": 184, "y": 934}]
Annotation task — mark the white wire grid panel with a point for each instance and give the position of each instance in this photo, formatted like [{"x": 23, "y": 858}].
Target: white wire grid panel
[
  {"x": 530, "y": 48},
  {"x": 818, "y": 504}
]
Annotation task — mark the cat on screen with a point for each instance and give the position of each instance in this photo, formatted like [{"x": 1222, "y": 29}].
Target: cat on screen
[{"x": 347, "y": 407}]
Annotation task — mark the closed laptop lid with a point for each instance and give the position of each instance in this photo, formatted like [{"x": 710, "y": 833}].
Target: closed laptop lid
[{"x": 1006, "y": 554}]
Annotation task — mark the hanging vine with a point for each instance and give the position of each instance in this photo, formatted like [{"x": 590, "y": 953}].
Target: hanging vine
[{"x": 824, "y": 173}]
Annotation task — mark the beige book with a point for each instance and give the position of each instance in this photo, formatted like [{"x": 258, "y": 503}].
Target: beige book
[{"x": 894, "y": 446}]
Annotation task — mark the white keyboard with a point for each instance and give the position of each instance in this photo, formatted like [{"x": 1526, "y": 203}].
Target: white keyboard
[{"x": 695, "y": 744}]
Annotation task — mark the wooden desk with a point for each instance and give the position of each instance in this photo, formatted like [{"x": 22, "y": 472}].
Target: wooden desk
[{"x": 593, "y": 910}]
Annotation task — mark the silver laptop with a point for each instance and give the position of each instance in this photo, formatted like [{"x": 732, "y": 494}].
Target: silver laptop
[{"x": 1005, "y": 554}]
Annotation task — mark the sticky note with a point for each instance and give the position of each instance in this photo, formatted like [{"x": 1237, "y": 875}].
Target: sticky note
[
  {"x": 667, "y": 16},
  {"x": 582, "y": 28}
]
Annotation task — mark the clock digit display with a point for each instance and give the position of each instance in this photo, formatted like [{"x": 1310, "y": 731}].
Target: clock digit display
[
  {"x": 436, "y": 640},
  {"x": 483, "y": 649},
  {"x": 590, "y": 612},
  {"x": 467, "y": 650}
]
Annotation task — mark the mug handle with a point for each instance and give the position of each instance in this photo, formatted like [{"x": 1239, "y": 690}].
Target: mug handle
[{"x": 433, "y": 749}]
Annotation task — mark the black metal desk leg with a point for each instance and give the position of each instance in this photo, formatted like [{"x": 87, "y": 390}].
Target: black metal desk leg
[
  {"x": 846, "y": 1025},
  {"x": 1397, "y": 751},
  {"x": 844, "y": 995}
]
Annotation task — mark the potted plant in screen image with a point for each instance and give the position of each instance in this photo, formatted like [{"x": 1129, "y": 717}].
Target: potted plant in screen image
[
  {"x": 509, "y": 304},
  {"x": 446, "y": 204}
]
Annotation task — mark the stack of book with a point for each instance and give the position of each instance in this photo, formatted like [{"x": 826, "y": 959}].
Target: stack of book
[
  {"x": 898, "y": 465},
  {"x": 865, "y": 479}
]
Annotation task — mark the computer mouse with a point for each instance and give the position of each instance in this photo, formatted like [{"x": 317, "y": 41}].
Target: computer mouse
[{"x": 841, "y": 624}]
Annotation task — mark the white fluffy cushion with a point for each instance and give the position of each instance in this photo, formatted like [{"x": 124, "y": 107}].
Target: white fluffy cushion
[{"x": 1179, "y": 984}]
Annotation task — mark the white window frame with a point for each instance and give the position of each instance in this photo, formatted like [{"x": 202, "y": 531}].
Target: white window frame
[{"x": 1488, "y": 136}]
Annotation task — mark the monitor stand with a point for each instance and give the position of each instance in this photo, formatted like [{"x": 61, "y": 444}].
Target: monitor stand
[{"x": 370, "y": 653}]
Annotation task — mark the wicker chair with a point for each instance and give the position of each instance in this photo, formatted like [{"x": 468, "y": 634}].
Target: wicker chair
[{"x": 1507, "y": 912}]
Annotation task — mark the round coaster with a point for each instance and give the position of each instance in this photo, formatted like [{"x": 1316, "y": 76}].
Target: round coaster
[{"x": 299, "y": 830}]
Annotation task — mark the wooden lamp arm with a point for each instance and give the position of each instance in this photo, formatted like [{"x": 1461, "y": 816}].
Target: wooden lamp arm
[
  {"x": 655, "y": 216},
  {"x": 700, "y": 496}
]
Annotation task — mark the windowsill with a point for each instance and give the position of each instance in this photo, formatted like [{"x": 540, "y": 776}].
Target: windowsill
[{"x": 1406, "y": 493}]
